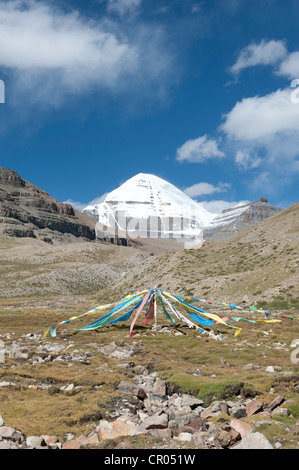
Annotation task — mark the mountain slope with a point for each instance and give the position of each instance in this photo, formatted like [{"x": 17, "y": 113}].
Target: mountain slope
[
  {"x": 259, "y": 265},
  {"x": 27, "y": 211},
  {"x": 31, "y": 267}
]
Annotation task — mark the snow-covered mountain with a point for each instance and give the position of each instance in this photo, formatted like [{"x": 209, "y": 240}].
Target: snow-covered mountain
[
  {"x": 149, "y": 207},
  {"x": 228, "y": 216},
  {"x": 235, "y": 220}
]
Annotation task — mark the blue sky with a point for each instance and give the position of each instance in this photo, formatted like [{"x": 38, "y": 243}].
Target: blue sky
[{"x": 200, "y": 93}]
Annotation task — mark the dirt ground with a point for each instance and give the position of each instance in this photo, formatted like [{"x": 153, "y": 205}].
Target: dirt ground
[{"x": 29, "y": 404}]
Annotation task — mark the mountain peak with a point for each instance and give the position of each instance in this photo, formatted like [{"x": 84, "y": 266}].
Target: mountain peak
[{"x": 146, "y": 199}]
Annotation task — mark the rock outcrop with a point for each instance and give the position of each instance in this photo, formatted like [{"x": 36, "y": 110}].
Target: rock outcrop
[
  {"x": 27, "y": 211},
  {"x": 233, "y": 221}
]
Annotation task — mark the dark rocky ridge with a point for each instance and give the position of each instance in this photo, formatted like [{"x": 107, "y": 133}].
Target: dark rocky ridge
[{"x": 27, "y": 211}]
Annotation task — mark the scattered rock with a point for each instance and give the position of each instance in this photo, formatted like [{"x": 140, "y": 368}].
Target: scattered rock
[
  {"x": 241, "y": 427},
  {"x": 280, "y": 411},
  {"x": 184, "y": 437},
  {"x": 276, "y": 402},
  {"x": 212, "y": 410},
  {"x": 50, "y": 439},
  {"x": 115, "y": 429},
  {"x": 35, "y": 441},
  {"x": 123, "y": 445},
  {"x": 161, "y": 434},
  {"x": 141, "y": 370},
  {"x": 7, "y": 432},
  {"x": 73, "y": 444},
  {"x": 132, "y": 389},
  {"x": 254, "y": 406},
  {"x": 155, "y": 422},
  {"x": 254, "y": 440},
  {"x": 251, "y": 367}
]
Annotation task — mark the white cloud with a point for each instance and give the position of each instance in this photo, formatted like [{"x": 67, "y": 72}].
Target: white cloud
[
  {"x": 247, "y": 159},
  {"x": 201, "y": 189},
  {"x": 81, "y": 205},
  {"x": 123, "y": 6},
  {"x": 290, "y": 66},
  {"x": 262, "y": 117},
  {"x": 199, "y": 150},
  {"x": 264, "y": 53},
  {"x": 37, "y": 36},
  {"x": 50, "y": 55},
  {"x": 268, "y": 128},
  {"x": 263, "y": 182}
]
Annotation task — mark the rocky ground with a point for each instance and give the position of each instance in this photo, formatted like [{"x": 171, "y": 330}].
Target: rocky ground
[
  {"x": 166, "y": 389},
  {"x": 173, "y": 420}
]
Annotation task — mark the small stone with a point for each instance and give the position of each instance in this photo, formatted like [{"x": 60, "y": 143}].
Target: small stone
[
  {"x": 280, "y": 411},
  {"x": 123, "y": 445},
  {"x": 141, "y": 370},
  {"x": 239, "y": 413},
  {"x": 276, "y": 402},
  {"x": 184, "y": 437},
  {"x": 186, "y": 428},
  {"x": 132, "y": 389},
  {"x": 93, "y": 438},
  {"x": 35, "y": 441},
  {"x": 254, "y": 406},
  {"x": 224, "y": 408},
  {"x": 240, "y": 427},
  {"x": 82, "y": 440},
  {"x": 212, "y": 410},
  {"x": 115, "y": 429},
  {"x": 161, "y": 434},
  {"x": 155, "y": 422},
  {"x": 69, "y": 436},
  {"x": 224, "y": 439},
  {"x": 198, "y": 439},
  {"x": 192, "y": 402},
  {"x": 270, "y": 369},
  {"x": 174, "y": 424},
  {"x": 199, "y": 424},
  {"x": 50, "y": 439},
  {"x": 159, "y": 387},
  {"x": 69, "y": 388},
  {"x": 73, "y": 444},
  {"x": 6, "y": 432},
  {"x": 254, "y": 440},
  {"x": 251, "y": 367},
  {"x": 5, "y": 445},
  {"x": 1, "y": 421}
]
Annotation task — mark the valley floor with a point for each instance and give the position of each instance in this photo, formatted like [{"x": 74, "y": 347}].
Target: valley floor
[{"x": 66, "y": 386}]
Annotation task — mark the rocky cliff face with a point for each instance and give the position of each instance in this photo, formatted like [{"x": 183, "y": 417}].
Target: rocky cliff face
[
  {"x": 27, "y": 211},
  {"x": 233, "y": 221}
]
